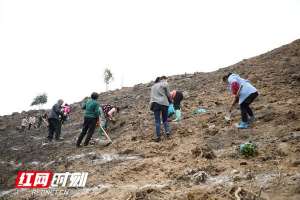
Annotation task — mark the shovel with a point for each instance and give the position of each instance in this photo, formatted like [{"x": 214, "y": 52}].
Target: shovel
[
  {"x": 106, "y": 135},
  {"x": 228, "y": 117}
]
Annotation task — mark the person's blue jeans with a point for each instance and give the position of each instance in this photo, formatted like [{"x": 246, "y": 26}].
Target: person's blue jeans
[{"x": 161, "y": 111}]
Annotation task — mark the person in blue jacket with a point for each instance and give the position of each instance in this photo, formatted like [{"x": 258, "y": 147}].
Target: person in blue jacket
[{"x": 244, "y": 93}]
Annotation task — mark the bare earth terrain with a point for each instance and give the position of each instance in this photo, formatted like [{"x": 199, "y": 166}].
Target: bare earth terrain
[{"x": 199, "y": 162}]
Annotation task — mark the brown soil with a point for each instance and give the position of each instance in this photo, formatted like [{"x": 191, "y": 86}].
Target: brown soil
[{"x": 200, "y": 160}]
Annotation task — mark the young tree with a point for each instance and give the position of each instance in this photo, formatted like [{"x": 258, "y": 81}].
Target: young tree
[
  {"x": 39, "y": 100},
  {"x": 108, "y": 77}
]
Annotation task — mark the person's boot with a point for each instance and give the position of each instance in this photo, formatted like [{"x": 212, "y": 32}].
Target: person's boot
[
  {"x": 78, "y": 141},
  {"x": 167, "y": 128},
  {"x": 242, "y": 125},
  {"x": 168, "y": 135},
  {"x": 252, "y": 119},
  {"x": 87, "y": 141},
  {"x": 47, "y": 141},
  {"x": 59, "y": 139}
]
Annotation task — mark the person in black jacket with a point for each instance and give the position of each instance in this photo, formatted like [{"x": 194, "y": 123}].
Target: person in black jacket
[
  {"x": 176, "y": 98},
  {"x": 54, "y": 122}
]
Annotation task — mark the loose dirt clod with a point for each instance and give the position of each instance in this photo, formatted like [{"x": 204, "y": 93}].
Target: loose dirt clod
[{"x": 204, "y": 152}]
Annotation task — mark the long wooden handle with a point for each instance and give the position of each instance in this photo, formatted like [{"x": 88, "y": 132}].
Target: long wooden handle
[{"x": 105, "y": 134}]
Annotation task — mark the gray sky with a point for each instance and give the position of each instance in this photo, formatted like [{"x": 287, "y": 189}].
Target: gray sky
[{"x": 61, "y": 47}]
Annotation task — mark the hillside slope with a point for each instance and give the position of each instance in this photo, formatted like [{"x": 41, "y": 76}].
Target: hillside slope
[{"x": 134, "y": 167}]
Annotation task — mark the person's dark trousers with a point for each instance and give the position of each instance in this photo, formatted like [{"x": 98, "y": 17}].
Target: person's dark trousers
[
  {"x": 89, "y": 126},
  {"x": 39, "y": 123},
  {"x": 161, "y": 110},
  {"x": 59, "y": 131},
  {"x": 63, "y": 119},
  {"x": 29, "y": 126},
  {"x": 245, "y": 109},
  {"x": 54, "y": 127}
]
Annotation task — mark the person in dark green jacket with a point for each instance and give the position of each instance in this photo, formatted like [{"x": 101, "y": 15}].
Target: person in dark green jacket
[{"x": 91, "y": 116}]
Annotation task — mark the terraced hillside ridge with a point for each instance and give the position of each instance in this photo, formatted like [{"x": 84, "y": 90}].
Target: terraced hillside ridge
[{"x": 200, "y": 161}]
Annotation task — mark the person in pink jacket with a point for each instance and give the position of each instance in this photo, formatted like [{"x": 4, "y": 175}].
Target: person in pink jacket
[{"x": 66, "y": 112}]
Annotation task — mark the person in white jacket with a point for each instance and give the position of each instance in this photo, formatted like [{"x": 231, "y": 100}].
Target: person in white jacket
[
  {"x": 24, "y": 124},
  {"x": 244, "y": 93}
]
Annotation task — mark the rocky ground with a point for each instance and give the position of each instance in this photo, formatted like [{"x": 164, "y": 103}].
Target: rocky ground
[{"x": 200, "y": 161}]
